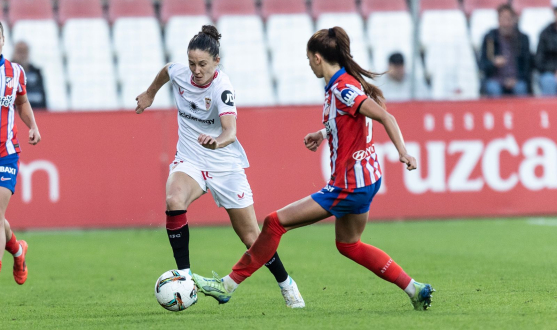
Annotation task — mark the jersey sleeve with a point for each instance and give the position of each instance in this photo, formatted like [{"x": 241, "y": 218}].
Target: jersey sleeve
[
  {"x": 225, "y": 98},
  {"x": 349, "y": 97},
  {"x": 174, "y": 69},
  {"x": 22, "y": 83}
]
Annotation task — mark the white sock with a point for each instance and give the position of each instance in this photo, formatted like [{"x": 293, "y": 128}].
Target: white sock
[
  {"x": 229, "y": 284},
  {"x": 19, "y": 252},
  {"x": 411, "y": 289},
  {"x": 286, "y": 283}
]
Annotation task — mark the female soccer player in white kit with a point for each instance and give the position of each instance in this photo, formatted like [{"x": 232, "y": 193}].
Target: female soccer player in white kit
[{"x": 208, "y": 154}]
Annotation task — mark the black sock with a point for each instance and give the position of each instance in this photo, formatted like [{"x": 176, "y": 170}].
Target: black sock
[
  {"x": 276, "y": 267},
  {"x": 179, "y": 241}
]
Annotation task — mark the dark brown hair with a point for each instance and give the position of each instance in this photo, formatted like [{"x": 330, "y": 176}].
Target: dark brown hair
[
  {"x": 505, "y": 7},
  {"x": 334, "y": 46},
  {"x": 207, "y": 40}
]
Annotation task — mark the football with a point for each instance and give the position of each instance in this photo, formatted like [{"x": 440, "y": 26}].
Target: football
[{"x": 175, "y": 290}]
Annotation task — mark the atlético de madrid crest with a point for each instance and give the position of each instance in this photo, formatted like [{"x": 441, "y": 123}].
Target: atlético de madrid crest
[
  {"x": 207, "y": 103},
  {"x": 10, "y": 82}
]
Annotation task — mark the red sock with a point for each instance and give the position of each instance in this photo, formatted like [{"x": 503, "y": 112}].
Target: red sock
[
  {"x": 12, "y": 245},
  {"x": 375, "y": 260},
  {"x": 261, "y": 251}
]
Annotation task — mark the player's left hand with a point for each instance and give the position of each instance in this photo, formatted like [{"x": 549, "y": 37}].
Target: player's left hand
[
  {"x": 410, "y": 162},
  {"x": 34, "y": 136},
  {"x": 208, "y": 142}
]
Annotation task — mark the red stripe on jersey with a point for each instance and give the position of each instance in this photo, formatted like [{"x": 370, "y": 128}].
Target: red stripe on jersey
[
  {"x": 367, "y": 175},
  {"x": 21, "y": 83},
  {"x": 227, "y": 113},
  {"x": 4, "y": 117},
  {"x": 207, "y": 85}
]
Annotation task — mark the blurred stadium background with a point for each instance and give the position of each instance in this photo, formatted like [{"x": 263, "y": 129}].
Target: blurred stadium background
[{"x": 478, "y": 156}]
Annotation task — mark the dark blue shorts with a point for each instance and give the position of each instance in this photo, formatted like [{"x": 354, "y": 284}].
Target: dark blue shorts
[
  {"x": 341, "y": 202},
  {"x": 9, "y": 167}
]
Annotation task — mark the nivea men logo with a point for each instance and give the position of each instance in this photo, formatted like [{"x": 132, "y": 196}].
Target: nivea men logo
[
  {"x": 7, "y": 100},
  {"x": 227, "y": 98}
]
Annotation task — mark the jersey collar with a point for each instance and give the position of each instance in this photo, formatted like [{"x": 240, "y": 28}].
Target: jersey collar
[
  {"x": 334, "y": 78},
  {"x": 2, "y": 60},
  {"x": 201, "y": 86}
]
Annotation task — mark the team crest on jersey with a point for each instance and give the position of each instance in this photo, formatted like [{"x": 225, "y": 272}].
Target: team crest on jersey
[
  {"x": 10, "y": 82},
  {"x": 207, "y": 103}
]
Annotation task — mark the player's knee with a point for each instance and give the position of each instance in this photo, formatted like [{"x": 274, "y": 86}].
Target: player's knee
[
  {"x": 175, "y": 202},
  {"x": 346, "y": 249},
  {"x": 249, "y": 238}
]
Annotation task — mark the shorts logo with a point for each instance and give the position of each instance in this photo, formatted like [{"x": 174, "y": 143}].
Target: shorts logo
[
  {"x": 5, "y": 169},
  {"x": 206, "y": 175},
  {"x": 5, "y": 179},
  {"x": 227, "y": 98},
  {"x": 363, "y": 154},
  {"x": 242, "y": 195},
  {"x": 207, "y": 103}
]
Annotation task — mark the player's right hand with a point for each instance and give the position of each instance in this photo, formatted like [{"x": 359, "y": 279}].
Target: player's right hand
[
  {"x": 313, "y": 140},
  {"x": 144, "y": 101},
  {"x": 410, "y": 162}
]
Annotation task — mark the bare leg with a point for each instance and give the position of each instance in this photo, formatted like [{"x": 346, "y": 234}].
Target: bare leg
[
  {"x": 181, "y": 191},
  {"x": 5, "y": 195}
]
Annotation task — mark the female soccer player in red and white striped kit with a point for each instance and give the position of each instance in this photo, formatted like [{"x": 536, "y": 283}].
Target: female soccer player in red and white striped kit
[{"x": 351, "y": 104}]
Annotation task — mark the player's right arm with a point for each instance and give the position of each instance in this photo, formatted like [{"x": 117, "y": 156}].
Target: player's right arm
[
  {"x": 371, "y": 109},
  {"x": 145, "y": 99}
]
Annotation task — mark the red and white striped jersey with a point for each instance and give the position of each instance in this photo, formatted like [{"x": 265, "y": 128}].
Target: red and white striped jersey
[
  {"x": 354, "y": 162},
  {"x": 12, "y": 83}
]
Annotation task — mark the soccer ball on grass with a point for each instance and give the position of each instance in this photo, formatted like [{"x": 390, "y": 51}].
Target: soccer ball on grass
[{"x": 175, "y": 290}]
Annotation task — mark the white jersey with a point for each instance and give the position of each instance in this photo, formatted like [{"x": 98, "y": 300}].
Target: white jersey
[{"x": 199, "y": 112}]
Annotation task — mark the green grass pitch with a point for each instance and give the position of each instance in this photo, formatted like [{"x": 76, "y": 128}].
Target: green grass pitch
[{"x": 489, "y": 274}]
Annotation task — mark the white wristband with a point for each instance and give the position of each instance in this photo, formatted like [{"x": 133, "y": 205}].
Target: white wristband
[{"x": 324, "y": 133}]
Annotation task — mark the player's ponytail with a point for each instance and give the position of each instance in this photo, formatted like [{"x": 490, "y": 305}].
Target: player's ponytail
[
  {"x": 207, "y": 40},
  {"x": 334, "y": 46}
]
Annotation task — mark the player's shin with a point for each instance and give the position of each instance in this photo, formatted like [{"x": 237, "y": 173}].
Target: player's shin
[
  {"x": 179, "y": 236},
  {"x": 375, "y": 260},
  {"x": 261, "y": 251},
  {"x": 277, "y": 268}
]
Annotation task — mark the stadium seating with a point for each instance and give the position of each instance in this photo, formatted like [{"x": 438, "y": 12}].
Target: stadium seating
[
  {"x": 76, "y": 9},
  {"x": 278, "y": 7},
  {"x": 319, "y": 7},
  {"x": 344, "y": 14},
  {"x": 369, "y": 7},
  {"x": 183, "y": 21},
  {"x": 438, "y": 5},
  {"x": 535, "y": 15},
  {"x": 138, "y": 45},
  {"x": 90, "y": 67},
  {"x": 236, "y": 7},
  {"x": 244, "y": 55},
  {"x": 449, "y": 59},
  {"x": 29, "y": 10},
  {"x": 171, "y": 8},
  {"x": 42, "y": 38},
  {"x": 288, "y": 30},
  {"x": 130, "y": 8},
  {"x": 389, "y": 31}
]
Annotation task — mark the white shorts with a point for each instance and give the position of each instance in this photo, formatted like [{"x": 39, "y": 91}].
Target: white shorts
[{"x": 230, "y": 189}]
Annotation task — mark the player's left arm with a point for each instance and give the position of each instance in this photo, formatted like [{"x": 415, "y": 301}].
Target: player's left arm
[
  {"x": 228, "y": 135},
  {"x": 25, "y": 112},
  {"x": 371, "y": 109}
]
